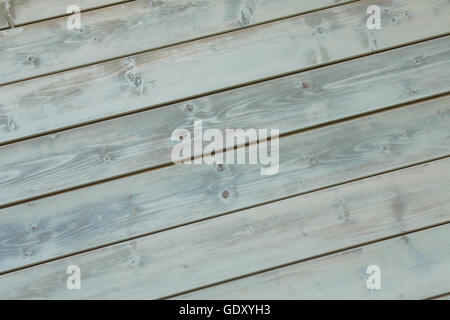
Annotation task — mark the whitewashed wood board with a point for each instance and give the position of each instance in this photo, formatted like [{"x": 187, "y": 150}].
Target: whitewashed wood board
[
  {"x": 168, "y": 197},
  {"x": 237, "y": 244},
  {"x": 413, "y": 267},
  {"x": 4, "y": 23},
  {"x": 109, "y": 89},
  {"x": 26, "y": 11},
  {"x": 121, "y": 30},
  {"x": 141, "y": 141}
]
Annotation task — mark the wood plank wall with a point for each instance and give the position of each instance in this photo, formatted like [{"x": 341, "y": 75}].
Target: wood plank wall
[{"x": 86, "y": 121}]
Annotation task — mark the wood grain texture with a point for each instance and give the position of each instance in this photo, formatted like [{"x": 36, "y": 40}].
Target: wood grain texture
[
  {"x": 127, "y": 144},
  {"x": 163, "y": 198},
  {"x": 163, "y": 76},
  {"x": 240, "y": 243},
  {"x": 129, "y": 28},
  {"x": 27, "y": 11},
  {"x": 4, "y": 23},
  {"x": 414, "y": 266}
]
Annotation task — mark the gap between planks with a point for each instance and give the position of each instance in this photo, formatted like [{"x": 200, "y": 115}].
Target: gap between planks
[
  {"x": 171, "y": 164},
  {"x": 213, "y": 92},
  {"x": 389, "y": 125},
  {"x": 29, "y": 21},
  {"x": 412, "y": 220},
  {"x": 404, "y": 112},
  {"x": 113, "y": 94},
  {"x": 180, "y": 42},
  {"x": 339, "y": 3},
  {"x": 432, "y": 61},
  {"x": 193, "y": 222},
  {"x": 445, "y": 296},
  {"x": 191, "y": 294}
]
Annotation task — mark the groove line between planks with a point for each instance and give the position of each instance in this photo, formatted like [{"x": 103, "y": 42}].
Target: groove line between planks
[
  {"x": 225, "y": 89},
  {"x": 443, "y": 296},
  {"x": 126, "y": 99},
  {"x": 346, "y": 182},
  {"x": 298, "y": 262},
  {"x": 258, "y": 24},
  {"x": 16, "y": 25},
  {"x": 169, "y": 164}
]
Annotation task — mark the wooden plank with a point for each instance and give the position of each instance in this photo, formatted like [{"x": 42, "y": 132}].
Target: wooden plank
[
  {"x": 446, "y": 297},
  {"x": 163, "y": 76},
  {"x": 129, "y": 28},
  {"x": 77, "y": 157},
  {"x": 26, "y": 11},
  {"x": 412, "y": 267},
  {"x": 237, "y": 244},
  {"x": 4, "y": 23},
  {"x": 168, "y": 197},
  {"x": 399, "y": 81}
]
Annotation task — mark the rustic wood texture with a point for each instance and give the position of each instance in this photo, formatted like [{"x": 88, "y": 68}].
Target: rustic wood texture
[
  {"x": 127, "y": 144},
  {"x": 128, "y": 28},
  {"x": 163, "y": 76},
  {"x": 163, "y": 198},
  {"x": 414, "y": 266},
  {"x": 4, "y": 22},
  {"x": 86, "y": 121},
  {"x": 243, "y": 242},
  {"x": 28, "y": 11}
]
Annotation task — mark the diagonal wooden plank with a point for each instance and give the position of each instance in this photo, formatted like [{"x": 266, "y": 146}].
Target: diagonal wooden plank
[
  {"x": 127, "y": 144},
  {"x": 131, "y": 27},
  {"x": 176, "y": 195},
  {"x": 117, "y": 87},
  {"x": 26, "y": 11},
  {"x": 412, "y": 267},
  {"x": 237, "y": 244}
]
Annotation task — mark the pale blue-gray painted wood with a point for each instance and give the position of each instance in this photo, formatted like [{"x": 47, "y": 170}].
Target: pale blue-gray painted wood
[
  {"x": 125, "y": 29},
  {"x": 256, "y": 239},
  {"x": 163, "y": 76},
  {"x": 414, "y": 266},
  {"x": 180, "y": 194},
  {"x": 141, "y": 141}
]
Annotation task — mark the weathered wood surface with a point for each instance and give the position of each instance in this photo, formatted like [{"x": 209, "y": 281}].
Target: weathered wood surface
[
  {"x": 414, "y": 266},
  {"x": 163, "y": 76},
  {"x": 140, "y": 236},
  {"x": 163, "y": 198},
  {"x": 4, "y": 22},
  {"x": 129, "y": 28},
  {"x": 127, "y": 144},
  {"x": 255, "y": 239},
  {"x": 26, "y": 11}
]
